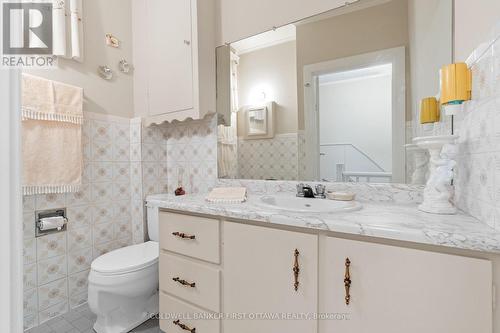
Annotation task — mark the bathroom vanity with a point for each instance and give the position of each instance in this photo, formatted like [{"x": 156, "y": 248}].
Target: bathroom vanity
[{"x": 385, "y": 268}]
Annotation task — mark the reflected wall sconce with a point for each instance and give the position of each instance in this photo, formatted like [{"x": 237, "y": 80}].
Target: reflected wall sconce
[{"x": 429, "y": 111}]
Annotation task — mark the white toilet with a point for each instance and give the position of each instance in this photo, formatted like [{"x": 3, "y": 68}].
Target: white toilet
[{"x": 123, "y": 284}]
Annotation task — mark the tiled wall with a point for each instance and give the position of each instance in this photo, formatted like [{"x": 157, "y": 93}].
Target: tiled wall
[
  {"x": 100, "y": 219},
  {"x": 275, "y": 158},
  {"x": 478, "y": 170},
  {"x": 191, "y": 150}
]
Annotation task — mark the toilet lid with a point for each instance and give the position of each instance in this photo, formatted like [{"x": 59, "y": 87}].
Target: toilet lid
[{"x": 127, "y": 259}]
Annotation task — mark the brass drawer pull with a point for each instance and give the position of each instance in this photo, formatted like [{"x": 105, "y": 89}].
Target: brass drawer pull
[
  {"x": 296, "y": 270},
  {"x": 184, "y": 282},
  {"x": 183, "y": 235},
  {"x": 184, "y": 327},
  {"x": 347, "y": 281}
]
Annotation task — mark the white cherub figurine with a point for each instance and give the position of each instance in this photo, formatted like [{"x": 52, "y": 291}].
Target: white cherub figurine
[{"x": 439, "y": 187}]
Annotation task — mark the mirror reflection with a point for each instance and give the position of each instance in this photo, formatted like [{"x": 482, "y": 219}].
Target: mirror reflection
[{"x": 333, "y": 97}]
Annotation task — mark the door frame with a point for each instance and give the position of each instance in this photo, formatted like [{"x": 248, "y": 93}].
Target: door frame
[
  {"x": 11, "y": 237},
  {"x": 396, "y": 57}
]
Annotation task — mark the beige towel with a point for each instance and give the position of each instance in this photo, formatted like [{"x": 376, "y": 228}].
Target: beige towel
[
  {"x": 51, "y": 136},
  {"x": 227, "y": 195}
]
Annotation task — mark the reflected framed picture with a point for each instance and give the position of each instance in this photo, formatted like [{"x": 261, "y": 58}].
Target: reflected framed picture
[{"x": 259, "y": 122}]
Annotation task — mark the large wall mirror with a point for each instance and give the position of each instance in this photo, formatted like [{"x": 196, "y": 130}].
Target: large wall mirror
[{"x": 334, "y": 97}]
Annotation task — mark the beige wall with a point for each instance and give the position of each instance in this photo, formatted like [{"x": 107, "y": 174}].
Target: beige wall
[
  {"x": 109, "y": 97},
  {"x": 474, "y": 20},
  {"x": 355, "y": 33},
  {"x": 243, "y": 18},
  {"x": 274, "y": 69}
]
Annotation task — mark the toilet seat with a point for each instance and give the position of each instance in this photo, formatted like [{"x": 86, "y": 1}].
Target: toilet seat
[{"x": 127, "y": 260}]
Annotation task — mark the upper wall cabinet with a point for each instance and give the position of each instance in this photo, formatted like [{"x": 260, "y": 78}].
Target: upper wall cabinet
[{"x": 174, "y": 56}]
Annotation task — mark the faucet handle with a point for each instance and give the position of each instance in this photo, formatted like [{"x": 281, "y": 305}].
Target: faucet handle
[
  {"x": 300, "y": 189},
  {"x": 320, "y": 190}
]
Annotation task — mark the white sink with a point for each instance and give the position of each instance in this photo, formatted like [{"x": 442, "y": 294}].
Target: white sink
[{"x": 306, "y": 205}]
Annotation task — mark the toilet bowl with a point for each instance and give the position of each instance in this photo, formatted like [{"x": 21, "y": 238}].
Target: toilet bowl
[
  {"x": 123, "y": 287},
  {"x": 123, "y": 284}
]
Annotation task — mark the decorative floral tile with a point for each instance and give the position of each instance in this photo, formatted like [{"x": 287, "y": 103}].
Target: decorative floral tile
[
  {"x": 79, "y": 260},
  {"x": 103, "y": 248},
  {"x": 103, "y": 233},
  {"x": 123, "y": 229},
  {"x": 150, "y": 171},
  {"x": 135, "y": 152},
  {"x": 30, "y": 321},
  {"x": 52, "y": 245},
  {"x": 81, "y": 197},
  {"x": 135, "y": 132},
  {"x": 102, "y": 172},
  {"x": 121, "y": 133},
  {"x": 122, "y": 210},
  {"x": 151, "y": 134},
  {"x": 150, "y": 152},
  {"x": 28, "y": 203},
  {"x": 122, "y": 242},
  {"x": 101, "y": 151},
  {"x": 30, "y": 276},
  {"x": 29, "y": 251},
  {"x": 103, "y": 213},
  {"x": 79, "y": 216},
  {"x": 101, "y": 130},
  {"x": 121, "y": 152},
  {"x": 52, "y": 293},
  {"x": 121, "y": 172},
  {"x": 50, "y": 201},
  {"x": 102, "y": 192},
  {"x": 52, "y": 312},
  {"x": 78, "y": 283},
  {"x": 79, "y": 238},
  {"x": 78, "y": 300},
  {"x": 29, "y": 225},
  {"x": 51, "y": 269},
  {"x": 121, "y": 191},
  {"x": 30, "y": 302}
]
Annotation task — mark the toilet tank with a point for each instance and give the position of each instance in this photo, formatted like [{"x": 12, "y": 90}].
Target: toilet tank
[{"x": 153, "y": 222}]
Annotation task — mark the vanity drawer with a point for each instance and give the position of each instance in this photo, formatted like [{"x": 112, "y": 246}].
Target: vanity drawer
[
  {"x": 176, "y": 230},
  {"x": 172, "y": 309},
  {"x": 206, "y": 289}
]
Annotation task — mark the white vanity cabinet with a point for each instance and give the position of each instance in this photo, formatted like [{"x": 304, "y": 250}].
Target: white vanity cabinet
[
  {"x": 395, "y": 290},
  {"x": 259, "y": 278},
  {"x": 268, "y": 280},
  {"x": 174, "y": 59}
]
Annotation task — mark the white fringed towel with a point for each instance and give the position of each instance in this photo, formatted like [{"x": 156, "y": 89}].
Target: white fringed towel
[
  {"x": 51, "y": 136},
  {"x": 227, "y": 195}
]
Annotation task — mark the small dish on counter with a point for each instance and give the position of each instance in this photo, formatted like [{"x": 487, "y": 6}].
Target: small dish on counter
[{"x": 340, "y": 196}]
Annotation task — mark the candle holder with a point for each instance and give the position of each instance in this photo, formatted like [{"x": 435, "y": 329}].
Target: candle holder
[
  {"x": 419, "y": 159},
  {"x": 438, "y": 192}
]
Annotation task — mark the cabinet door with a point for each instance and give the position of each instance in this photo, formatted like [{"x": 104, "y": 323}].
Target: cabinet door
[
  {"x": 258, "y": 279},
  {"x": 396, "y": 290},
  {"x": 170, "y": 69}
]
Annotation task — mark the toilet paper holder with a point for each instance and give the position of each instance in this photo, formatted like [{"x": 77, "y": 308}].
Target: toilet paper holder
[{"x": 39, "y": 215}]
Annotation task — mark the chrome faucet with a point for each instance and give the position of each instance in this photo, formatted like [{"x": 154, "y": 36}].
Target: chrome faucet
[{"x": 306, "y": 191}]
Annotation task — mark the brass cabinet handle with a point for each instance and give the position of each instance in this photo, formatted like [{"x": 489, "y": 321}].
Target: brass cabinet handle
[
  {"x": 347, "y": 281},
  {"x": 183, "y": 235},
  {"x": 184, "y": 327},
  {"x": 296, "y": 270},
  {"x": 184, "y": 282}
]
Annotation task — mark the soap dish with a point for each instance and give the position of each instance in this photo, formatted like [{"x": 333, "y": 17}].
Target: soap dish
[{"x": 340, "y": 196}]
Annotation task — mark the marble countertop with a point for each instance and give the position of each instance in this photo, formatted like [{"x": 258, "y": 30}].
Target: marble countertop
[{"x": 394, "y": 221}]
